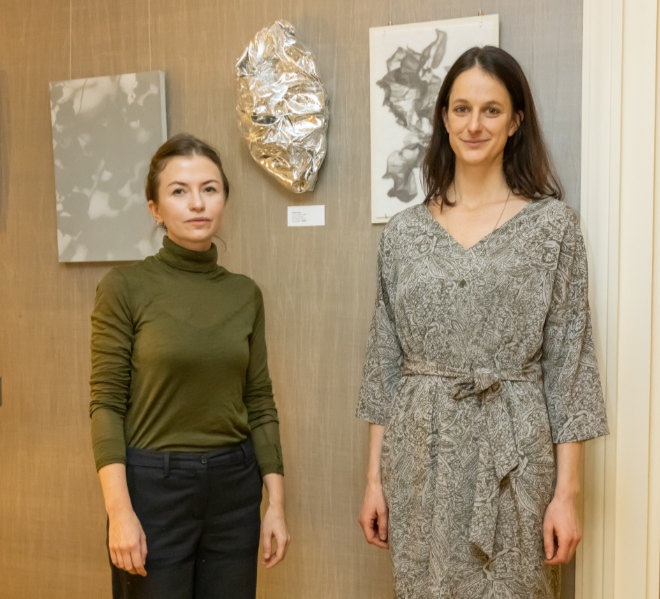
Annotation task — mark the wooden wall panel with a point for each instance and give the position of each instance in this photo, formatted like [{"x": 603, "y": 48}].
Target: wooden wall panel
[
  {"x": 318, "y": 283},
  {"x": 109, "y": 38}
]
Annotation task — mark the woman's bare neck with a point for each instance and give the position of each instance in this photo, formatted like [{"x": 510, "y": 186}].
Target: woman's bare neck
[{"x": 476, "y": 186}]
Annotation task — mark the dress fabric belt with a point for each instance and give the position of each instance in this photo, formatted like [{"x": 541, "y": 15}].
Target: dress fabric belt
[{"x": 498, "y": 454}]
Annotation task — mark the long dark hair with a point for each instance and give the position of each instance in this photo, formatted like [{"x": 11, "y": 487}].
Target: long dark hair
[
  {"x": 182, "y": 144},
  {"x": 527, "y": 167}
]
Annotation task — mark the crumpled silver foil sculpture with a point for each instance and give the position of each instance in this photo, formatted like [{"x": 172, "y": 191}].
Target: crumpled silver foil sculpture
[{"x": 282, "y": 107}]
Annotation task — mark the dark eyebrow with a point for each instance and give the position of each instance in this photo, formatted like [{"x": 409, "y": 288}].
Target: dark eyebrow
[
  {"x": 183, "y": 184},
  {"x": 489, "y": 103}
]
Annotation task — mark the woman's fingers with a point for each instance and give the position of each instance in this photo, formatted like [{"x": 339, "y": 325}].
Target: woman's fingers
[
  {"x": 275, "y": 556},
  {"x": 128, "y": 544},
  {"x": 382, "y": 526},
  {"x": 130, "y": 559},
  {"x": 549, "y": 540},
  {"x": 566, "y": 546},
  {"x": 267, "y": 545},
  {"x": 563, "y": 554},
  {"x": 282, "y": 541},
  {"x": 561, "y": 532},
  {"x": 138, "y": 555},
  {"x": 143, "y": 549},
  {"x": 373, "y": 518},
  {"x": 138, "y": 562},
  {"x": 114, "y": 556},
  {"x": 374, "y": 528},
  {"x": 276, "y": 537},
  {"x": 367, "y": 523},
  {"x": 379, "y": 532}
]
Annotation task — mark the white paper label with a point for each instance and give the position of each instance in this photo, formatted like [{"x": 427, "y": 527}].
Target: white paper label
[{"x": 306, "y": 216}]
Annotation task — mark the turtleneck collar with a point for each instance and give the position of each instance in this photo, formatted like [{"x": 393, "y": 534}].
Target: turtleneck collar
[{"x": 184, "y": 259}]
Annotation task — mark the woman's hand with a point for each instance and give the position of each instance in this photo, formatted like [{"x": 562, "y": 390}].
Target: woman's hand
[
  {"x": 373, "y": 517},
  {"x": 274, "y": 529},
  {"x": 274, "y": 523},
  {"x": 561, "y": 530},
  {"x": 127, "y": 542},
  {"x": 561, "y": 526},
  {"x": 126, "y": 539},
  {"x": 374, "y": 514}
]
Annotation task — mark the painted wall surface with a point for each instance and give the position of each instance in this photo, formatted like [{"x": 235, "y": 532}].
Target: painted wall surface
[{"x": 318, "y": 283}]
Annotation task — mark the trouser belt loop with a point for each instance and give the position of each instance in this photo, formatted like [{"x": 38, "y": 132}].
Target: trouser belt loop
[
  {"x": 166, "y": 464},
  {"x": 244, "y": 451}
]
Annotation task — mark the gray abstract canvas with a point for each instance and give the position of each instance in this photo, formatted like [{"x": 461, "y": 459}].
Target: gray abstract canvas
[{"x": 105, "y": 130}]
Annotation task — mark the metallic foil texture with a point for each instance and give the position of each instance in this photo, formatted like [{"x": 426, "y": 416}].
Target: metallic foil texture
[{"x": 282, "y": 107}]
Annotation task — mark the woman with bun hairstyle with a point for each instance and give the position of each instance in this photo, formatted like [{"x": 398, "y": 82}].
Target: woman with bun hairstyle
[
  {"x": 480, "y": 382},
  {"x": 184, "y": 426}
]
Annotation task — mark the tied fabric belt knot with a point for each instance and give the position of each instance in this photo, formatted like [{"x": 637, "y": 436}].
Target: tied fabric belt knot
[{"x": 498, "y": 454}]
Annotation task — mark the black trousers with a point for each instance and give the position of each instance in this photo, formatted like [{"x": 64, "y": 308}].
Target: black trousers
[{"x": 200, "y": 514}]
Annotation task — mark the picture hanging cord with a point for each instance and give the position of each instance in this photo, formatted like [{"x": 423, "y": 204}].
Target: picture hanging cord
[
  {"x": 70, "y": 35},
  {"x": 149, "y": 26}
]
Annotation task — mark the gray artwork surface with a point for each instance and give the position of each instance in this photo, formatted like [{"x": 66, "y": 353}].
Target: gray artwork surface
[
  {"x": 105, "y": 130},
  {"x": 407, "y": 66}
]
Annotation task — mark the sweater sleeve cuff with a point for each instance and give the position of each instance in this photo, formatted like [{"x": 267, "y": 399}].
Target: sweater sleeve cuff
[
  {"x": 106, "y": 461},
  {"x": 266, "y": 441},
  {"x": 108, "y": 438}
]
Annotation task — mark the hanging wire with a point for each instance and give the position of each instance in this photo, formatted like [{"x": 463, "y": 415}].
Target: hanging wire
[
  {"x": 70, "y": 36},
  {"x": 149, "y": 26}
]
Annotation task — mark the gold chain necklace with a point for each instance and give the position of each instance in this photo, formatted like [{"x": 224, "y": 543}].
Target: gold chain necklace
[{"x": 497, "y": 222}]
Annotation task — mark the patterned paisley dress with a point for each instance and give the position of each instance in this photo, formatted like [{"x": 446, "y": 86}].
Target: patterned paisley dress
[{"x": 478, "y": 361}]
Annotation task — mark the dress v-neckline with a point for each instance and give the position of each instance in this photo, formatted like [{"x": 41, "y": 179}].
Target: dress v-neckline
[{"x": 487, "y": 236}]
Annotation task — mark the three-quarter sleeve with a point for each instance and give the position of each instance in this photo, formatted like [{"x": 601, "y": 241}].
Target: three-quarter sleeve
[
  {"x": 112, "y": 338},
  {"x": 570, "y": 371},
  {"x": 258, "y": 398},
  {"x": 382, "y": 368}
]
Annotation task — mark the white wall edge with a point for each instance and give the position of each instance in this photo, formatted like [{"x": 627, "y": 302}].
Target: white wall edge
[
  {"x": 620, "y": 555},
  {"x": 653, "y": 541},
  {"x": 632, "y": 568},
  {"x": 599, "y": 207}
]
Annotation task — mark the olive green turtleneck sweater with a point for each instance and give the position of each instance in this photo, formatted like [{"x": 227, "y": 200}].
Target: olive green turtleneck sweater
[{"x": 179, "y": 360}]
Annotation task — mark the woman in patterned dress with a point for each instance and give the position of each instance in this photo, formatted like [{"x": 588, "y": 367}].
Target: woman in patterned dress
[{"x": 480, "y": 381}]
